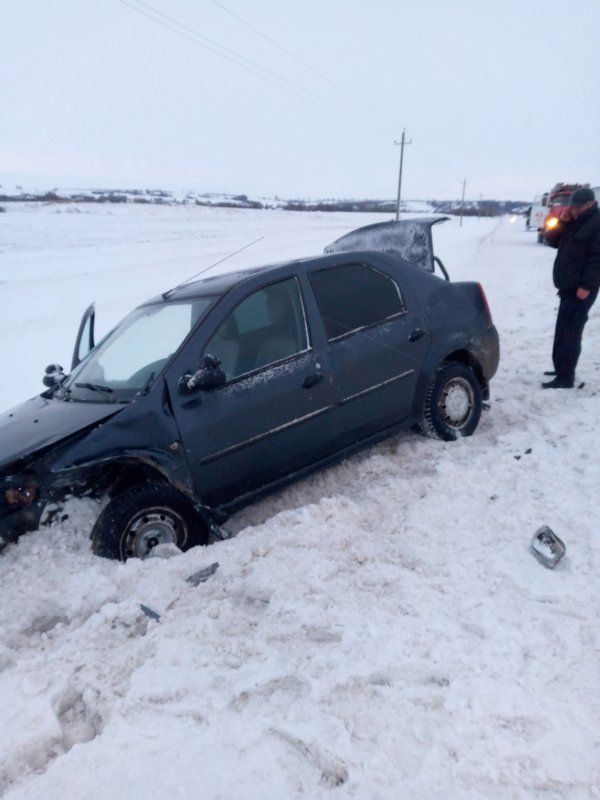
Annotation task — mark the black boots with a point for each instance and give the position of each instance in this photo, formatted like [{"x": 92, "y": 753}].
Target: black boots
[{"x": 557, "y": 383}]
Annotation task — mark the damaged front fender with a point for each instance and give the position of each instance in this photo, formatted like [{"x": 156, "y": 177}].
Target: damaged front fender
[{"x": 61, "y": 448}]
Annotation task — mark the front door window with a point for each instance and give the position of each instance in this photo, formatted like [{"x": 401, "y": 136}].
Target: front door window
[{"x": 265, "y": 328}]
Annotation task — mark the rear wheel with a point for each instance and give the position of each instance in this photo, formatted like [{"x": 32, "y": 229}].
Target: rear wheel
[
  {"x": 453, "y": 403},
  {"x": 144, "y": 516}
]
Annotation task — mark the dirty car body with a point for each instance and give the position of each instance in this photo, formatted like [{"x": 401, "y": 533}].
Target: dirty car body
[{"x": 226, "y": 389}]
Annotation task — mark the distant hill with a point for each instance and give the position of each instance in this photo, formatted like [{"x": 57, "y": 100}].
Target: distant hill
[{"x": 487, "y": 208}]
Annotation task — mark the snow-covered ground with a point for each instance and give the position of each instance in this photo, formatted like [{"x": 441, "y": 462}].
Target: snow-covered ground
[{"x": 380, "y": 631}]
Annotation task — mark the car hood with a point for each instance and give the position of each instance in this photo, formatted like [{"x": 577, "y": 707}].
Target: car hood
[{"x": 41, "y": 422}]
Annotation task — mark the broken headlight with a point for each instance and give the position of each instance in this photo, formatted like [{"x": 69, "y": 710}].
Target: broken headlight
[{"x": 18, "y": 491}]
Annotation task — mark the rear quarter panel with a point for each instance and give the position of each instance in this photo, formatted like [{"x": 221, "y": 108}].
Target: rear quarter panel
[{"x": 460, "y": 326}]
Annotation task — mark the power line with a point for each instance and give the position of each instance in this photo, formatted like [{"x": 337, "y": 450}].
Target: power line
[
  {"x": 301, "y": 61},
  {"x": 250, "y": 66}
]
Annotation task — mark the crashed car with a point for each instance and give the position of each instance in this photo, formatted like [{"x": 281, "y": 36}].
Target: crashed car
[{"x": 227, "y": 388}]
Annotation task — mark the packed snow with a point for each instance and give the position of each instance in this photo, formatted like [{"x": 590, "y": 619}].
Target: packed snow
[{"x": 381, "y": 630}]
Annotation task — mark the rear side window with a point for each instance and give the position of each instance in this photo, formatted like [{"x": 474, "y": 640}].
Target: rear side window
[{"x": 354, "y": 296}]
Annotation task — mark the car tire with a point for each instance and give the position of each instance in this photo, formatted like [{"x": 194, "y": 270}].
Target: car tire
[
  {"x": 453, "y": 402},
  {"x": 144, "y": 516}
]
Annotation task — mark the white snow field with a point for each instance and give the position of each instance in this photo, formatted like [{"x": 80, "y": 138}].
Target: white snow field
[{"x": 379, "y": 631}]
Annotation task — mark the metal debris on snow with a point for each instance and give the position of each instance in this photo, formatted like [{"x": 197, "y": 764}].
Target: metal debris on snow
[
  {"x": 547, "y": 547},
  {"x": 220, "y": 533},
  {"x": 149, "y": 613},
  {"x": 203, "y": 574}
]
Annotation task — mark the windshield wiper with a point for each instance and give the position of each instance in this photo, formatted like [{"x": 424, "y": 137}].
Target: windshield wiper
[
  {"x": 94, "y": 387},
  {"x": 146, "y": 387}
]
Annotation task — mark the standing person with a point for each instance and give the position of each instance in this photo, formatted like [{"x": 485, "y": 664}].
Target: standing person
[{"x": 576, "y": 275}]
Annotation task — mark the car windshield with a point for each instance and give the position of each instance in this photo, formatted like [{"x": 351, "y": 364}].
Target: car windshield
[
  {"x": 132, "y": 356},
  {"x": 561, "y": 200}
]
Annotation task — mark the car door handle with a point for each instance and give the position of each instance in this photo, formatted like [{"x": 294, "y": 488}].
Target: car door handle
[
  {"x": 311, "y": 380},
  {"x": 417, "y": 334}
]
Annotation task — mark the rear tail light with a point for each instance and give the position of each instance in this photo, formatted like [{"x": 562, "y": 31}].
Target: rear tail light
[{"x": 486, "y": 305}]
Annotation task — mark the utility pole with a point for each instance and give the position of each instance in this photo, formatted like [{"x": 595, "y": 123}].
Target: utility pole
[
  {"x": 462, "y": 202},
  {"x": 402, "y": 143}
]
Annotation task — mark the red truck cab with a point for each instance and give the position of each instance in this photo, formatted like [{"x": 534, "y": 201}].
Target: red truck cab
[{"x": 557, "y": 200}]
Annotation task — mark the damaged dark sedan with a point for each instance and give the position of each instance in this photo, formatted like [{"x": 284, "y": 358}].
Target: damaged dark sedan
[{"x": 227, "y": 388}]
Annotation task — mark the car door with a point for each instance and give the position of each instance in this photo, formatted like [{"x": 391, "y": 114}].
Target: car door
[
  {"x": 376, "y": 343},
  {"x": 272, "y": 416},
  {"x": 84, "y": 341}
]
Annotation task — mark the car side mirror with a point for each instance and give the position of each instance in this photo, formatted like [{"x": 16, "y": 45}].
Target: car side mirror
[
  {"x": 209, "y": 375},
  {"x": 53, "y": 375}
]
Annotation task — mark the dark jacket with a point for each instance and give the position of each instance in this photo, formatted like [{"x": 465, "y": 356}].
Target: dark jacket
[{"x": 577, "y": 262}]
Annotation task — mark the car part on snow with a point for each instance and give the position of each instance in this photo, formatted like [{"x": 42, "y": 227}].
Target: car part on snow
[
  {"x": 149, "y": 613},
  {"x": 220, "y": 533},
  {"x": 203, "y": 574},
  {"x": 547, "y": 547}
]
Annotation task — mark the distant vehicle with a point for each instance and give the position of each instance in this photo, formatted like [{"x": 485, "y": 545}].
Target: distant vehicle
[
  {"x": 223, "y": 390},
  {"x": 539, "y": 209},
  {"x": 553, "y": 204}
]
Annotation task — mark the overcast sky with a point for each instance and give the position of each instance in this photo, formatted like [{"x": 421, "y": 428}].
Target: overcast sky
[{"x": 301, "y": 98}]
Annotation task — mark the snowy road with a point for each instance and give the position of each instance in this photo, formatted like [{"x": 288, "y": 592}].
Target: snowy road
[{"x": 378, "y": 631}]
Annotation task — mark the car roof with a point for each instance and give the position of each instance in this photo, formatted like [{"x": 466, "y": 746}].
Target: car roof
[
  {"x": 218, "y": 285},
  {"x": 214, "y": 284}
]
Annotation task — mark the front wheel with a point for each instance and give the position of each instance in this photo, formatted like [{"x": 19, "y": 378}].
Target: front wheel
[
  {"x": 144, "y": 516},
  {"x": 453, "y": 403}
]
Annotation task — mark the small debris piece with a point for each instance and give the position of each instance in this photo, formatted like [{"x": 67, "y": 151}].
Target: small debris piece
[
  {"x": 220, "y": 533},
  {"x": 149, "y": 613},
  {"x": 547, "y": 547},
  {"x": 526, "y": 453},
  {"x": 203, "y": 574}
]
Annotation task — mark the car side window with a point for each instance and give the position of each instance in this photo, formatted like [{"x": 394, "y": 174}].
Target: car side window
[
  {"x": 266, "y": 327},
  {"x": 354, "y": 296}
]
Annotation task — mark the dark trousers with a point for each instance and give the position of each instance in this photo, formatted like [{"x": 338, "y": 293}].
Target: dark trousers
[{"x": 570, "y": 322}]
